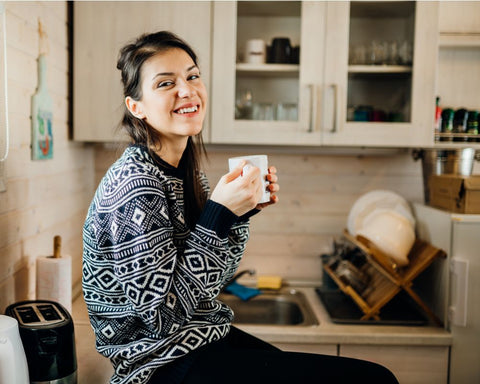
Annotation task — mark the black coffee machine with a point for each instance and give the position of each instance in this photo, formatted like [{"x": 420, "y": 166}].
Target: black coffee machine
[{"x": 47, "y": 333}]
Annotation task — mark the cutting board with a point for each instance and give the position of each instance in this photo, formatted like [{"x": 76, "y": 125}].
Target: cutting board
[{"x": 42, "y": 116}]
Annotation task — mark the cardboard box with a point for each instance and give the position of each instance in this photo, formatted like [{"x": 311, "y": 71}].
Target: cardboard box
[{"x": 455, "y": 193}]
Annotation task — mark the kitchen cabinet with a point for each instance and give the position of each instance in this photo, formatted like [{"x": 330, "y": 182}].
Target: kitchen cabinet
[
  {"x": 238, "y": 89},
  {"x": 410, "y": 364},
  {"x": 401, "y": 86},
  {"x": 458, "y": 84},
  {"x": 458, "y": 78},
  {"x": 459, "y": 17},
  {"x": 100, "y": 29},
  {"x": 335, "y": 87}
]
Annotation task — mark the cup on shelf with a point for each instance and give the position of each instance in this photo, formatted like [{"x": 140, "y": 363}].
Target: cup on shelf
[
  {"x": 244, "y": 105},
  {"x": 358, "y": 54},
  {"x": 405, "y": 53},
  {"x": 280, "y": 50},
  {"x": 287, "y": 112},
  {"x": 263, "y": 111},
  {"x": 255, "y": 51},
  {"x": 382, "y": 52},
  {"x": 295, "y": 57}
]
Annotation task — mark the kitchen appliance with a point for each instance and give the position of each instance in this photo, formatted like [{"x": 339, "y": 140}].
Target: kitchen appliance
[
  {"x": 13, "y": 362},
  {"x": 47, "y": 332},
  {"x": 451, "y": 287},
  {"x": 436, "y": 161}
]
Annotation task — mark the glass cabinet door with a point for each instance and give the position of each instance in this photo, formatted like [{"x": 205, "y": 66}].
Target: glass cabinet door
[
  {"x": 263, "y": 90},
  {"x": 379, "y": 75}
]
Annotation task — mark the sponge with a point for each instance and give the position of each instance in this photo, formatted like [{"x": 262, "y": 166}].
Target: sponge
[{"x": 269, "y": 282}]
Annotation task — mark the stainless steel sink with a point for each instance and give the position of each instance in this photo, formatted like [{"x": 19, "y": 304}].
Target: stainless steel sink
[{"x": 283, "y": 307}]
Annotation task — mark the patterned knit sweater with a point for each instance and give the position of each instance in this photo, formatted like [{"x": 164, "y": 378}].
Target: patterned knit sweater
[{"x": 148, "y": 281}]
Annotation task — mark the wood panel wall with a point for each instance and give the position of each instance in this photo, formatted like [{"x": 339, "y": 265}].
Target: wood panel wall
[
  {"x": 317, "y": 192},
  {"x": 49, "y": 197}
]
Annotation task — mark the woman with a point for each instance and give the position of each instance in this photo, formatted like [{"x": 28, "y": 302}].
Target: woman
[{"x": 158, "y": 248}]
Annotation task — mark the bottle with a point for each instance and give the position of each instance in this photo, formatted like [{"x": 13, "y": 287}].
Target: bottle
[
  {"x": 447, "y": 124},
  {"x": 460, "y": 124},
  {"x": 438, "y": 116},
  {"x": 472, "y": 126}
]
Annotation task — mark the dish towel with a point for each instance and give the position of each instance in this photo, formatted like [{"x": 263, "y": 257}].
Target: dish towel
[{"x": 242, "y": 292}]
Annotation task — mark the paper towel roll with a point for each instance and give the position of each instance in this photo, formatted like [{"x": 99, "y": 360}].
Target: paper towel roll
[{"x": 54, "y": 280}]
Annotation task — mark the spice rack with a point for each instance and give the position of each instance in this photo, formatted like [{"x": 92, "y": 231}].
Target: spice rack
[
  {"x": 457, "y": 138},
  {"x": 386, "y": 278}
]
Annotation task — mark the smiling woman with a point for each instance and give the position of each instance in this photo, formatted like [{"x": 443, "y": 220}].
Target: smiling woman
[
  {"x": 173, "y": 102},
  {"x": 159, "y": 248}
]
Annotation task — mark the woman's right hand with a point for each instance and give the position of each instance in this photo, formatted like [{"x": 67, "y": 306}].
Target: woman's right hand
[{"x": 240, "y": 193}]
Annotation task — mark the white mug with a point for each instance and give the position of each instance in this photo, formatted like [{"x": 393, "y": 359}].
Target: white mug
[
  {"x": 255, "y": 51},
  {"x": 260, "y": 161}
]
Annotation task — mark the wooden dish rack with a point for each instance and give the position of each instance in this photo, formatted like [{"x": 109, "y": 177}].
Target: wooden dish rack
[{"x": 386, "y": 278}]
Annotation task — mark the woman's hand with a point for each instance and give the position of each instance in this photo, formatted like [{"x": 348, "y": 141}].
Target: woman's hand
[
  {"x": 239, "y": 194},
  {"x": 273, "y": 187}
]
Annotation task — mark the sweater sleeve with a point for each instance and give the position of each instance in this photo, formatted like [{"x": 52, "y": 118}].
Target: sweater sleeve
[{"x": 238, "y": 235}]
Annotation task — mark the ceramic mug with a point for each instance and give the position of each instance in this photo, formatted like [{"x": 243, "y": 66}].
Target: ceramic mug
[
  {"x": 255, "y": 51},
  {"x": 260, "y": 161},
  {"x": 280, "y": 50}
]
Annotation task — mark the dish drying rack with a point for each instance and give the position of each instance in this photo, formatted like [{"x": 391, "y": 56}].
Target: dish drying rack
[{"x": 386, "y": 278}]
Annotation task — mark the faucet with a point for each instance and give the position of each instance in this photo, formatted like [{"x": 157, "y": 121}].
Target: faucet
[{"x": 251, "y": 272}]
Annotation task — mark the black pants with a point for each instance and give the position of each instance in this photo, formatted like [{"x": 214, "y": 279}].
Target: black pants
[{"x": 242, "y": 358}]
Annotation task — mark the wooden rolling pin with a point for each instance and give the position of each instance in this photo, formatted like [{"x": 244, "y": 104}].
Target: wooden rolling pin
[{"x": 57, "y": 247}]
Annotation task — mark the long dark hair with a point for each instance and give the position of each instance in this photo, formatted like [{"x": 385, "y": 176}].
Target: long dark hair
[{"x": 130, "y": 61}]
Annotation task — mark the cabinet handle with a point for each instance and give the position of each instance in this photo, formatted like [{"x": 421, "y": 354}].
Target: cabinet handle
[
  {"x": 457, "y": 312},
  {"x": 312, "y": 108},
  {"x": 335, "y": 108}
]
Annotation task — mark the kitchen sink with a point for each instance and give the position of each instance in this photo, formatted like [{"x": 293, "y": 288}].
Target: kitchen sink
[{"x": 283, "y": 307}]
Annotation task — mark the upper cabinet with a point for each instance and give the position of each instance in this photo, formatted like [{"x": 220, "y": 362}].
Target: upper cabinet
[
  {"x": 459, "y": 17},
  {"x": 268, "y": 67},
  {"x": 380, "y": 68},
  {"x": 364, "y": 74},
  {"x": 458, "y": 75},
  {"x": 100, "y": 30},
  {"x": 458, "y": 24}
]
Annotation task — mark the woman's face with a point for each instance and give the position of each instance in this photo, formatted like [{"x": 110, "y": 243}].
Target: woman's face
[{"x": 174, "y": 97}]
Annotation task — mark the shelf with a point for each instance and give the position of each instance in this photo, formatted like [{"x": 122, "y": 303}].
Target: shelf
[
  {"x": 462, "y": 138},
  {"x": 265, "y": 9},
  {"x": 458, "y": 40},
  {"x": 379, "y": 69},
  {"x": 274, "y": 70}
]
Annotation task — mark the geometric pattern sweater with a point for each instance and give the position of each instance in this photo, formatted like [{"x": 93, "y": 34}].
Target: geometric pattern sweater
[{"x": 149, "y": 282}]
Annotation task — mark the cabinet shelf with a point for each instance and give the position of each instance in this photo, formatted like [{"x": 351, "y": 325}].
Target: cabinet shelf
[
  {"x": 459, "y": 40},
  {"x": 379, "y": 69},
  {"x": 457, "y": 138},
  {"x": 273, "y": 70}
]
